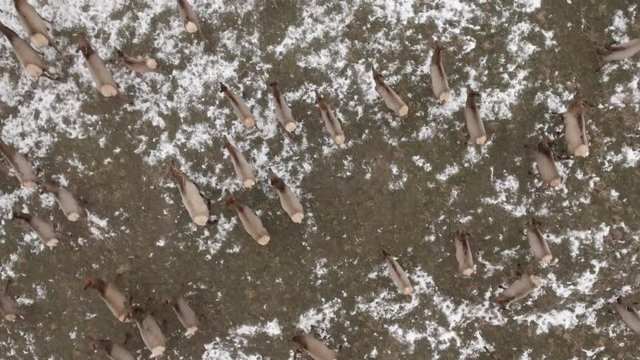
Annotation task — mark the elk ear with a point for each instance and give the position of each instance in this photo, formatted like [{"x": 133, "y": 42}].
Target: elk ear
[
  {"x": 88, "y": 284},
  {"x": 92, "y": 345}
]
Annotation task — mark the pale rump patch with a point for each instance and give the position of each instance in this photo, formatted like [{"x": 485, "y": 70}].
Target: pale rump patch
[
  {"x": 190, "y": 331},
  {"x": 297, "y": 218},
  {"x": 536, "y": 280},
  {"x": 467, "y": 271},
  {"x": 108, "y": 90},
  {"x": 191, "y": 27},
  {"x": 248, "y": 183},
  {"x": 249, "y": 122},
  {"x": 151, "y": 64},
  {"x": 73, "y": 217},
  {"x": 403, "y": 111},
  {"x": 200, "y": 220},
  {"x": 339, "y": 139},
  {"x": 481, "y": 140},
  {"x": 10, "y": 317},
  {"x": 33, "y": 70},
  {"x": 290, "y": 126},
  {"x": 264, "y": 240},
  {"x": 547, "y": 258},
  {"x": 555, "y": 183},
  {"x": 157, "y": 351},
  {"x": 29, "y": 184},
  {"x": 582, "y": 150},
  {"x": 444, "y": 96},
  {"x": 52, "y": 243},
  {"x": 407, "y": 290},
  {"x": 39, "y": 40}
]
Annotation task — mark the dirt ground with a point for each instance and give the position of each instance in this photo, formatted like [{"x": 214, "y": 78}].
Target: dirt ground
[{"x": 352, "y": 211}]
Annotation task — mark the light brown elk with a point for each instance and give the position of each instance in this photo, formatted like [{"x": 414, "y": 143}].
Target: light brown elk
[
  {"x": 250, "y": 221},
  {"x": 150, "y": 331},
  {"x": 37, "y": 27},
  {"x": 242, "y": 168},
  {"x": 390, "y": 98},
  {"x": 311, "y": 346},
  {"x": 520, "y": 288},
  {"x": 100, "y": 74},
  {"x": 41, "y": 227},
  {"x": 475, "y": 126},
  {"x": 283, "y": 112},
  {"x": 545, "y": 161},
  {"x": 575, "y": 129},
  {"x": 331, "y": 123},
  {"x": 242, "y": 111},
  {"x": 22, "y": 168},
  {"x": 185, "y": 314},
  {"x": 397, "y": 274},
  {"x": 289, "y": 202},
  {"x": 629, "y": 315},
  {"x": 463, "y": 252},
  {"x": 189, "y": 18},
  {"x": 8, "y": 306},
  {"x": 113, "y": 297},
  {"x": 29, "y": 58},
  {"x": 192, "y": 200},
  {"x": 537, "y": 241},
  {"x": 67, "y": 202},
  {"x": 137, "y": 64},
  {"x": 439, "y": 81},
  {"x": 113, "y": 350}
]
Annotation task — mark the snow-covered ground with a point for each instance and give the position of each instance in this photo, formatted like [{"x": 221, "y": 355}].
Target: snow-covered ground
[{"x": 513, "y": 54}]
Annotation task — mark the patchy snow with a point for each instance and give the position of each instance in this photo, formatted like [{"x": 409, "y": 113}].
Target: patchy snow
[
  {"x": 631, "y": 156},
  {"x": 619, "y": 26},
  {"x": 448, "y": 172},
  {"x": 320, "y": 319},
  {"x": 320, "y": 270},
  {"x": 399, "y": 178},
  {"x": 507, "y": 195},
  {"x": 40, "y": 122}
]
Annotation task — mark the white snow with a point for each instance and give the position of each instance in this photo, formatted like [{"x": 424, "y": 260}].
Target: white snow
[{"x": 42, "y": 121}]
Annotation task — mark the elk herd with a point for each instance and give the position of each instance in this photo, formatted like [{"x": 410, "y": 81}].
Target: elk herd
[{"x": 39, "y": 34}]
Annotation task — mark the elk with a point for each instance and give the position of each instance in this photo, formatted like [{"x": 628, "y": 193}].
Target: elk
[
  {"x": 101, "y": 76},
  {"x": 463, "y": 252},
  {"x": 250, "y": 221},
  {"x": 22, "y": 168},
  {"x": 475, "y": 126},
  {"x": 29, "y": 58},
  {"x": 438, "y": 76},
  {"x": 331, "y": 124},
  {"x": 289, "y": 202},
  {"x": 311, "y": 346},
  {"x": 391, "y": 99},
  {"x": 192, "y": 199},
  {"x": 116, "y": 300},
  {"x": 398, "y": 275}
]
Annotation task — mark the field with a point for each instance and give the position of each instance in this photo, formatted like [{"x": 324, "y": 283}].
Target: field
[{"x": 400, "y": 184}]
